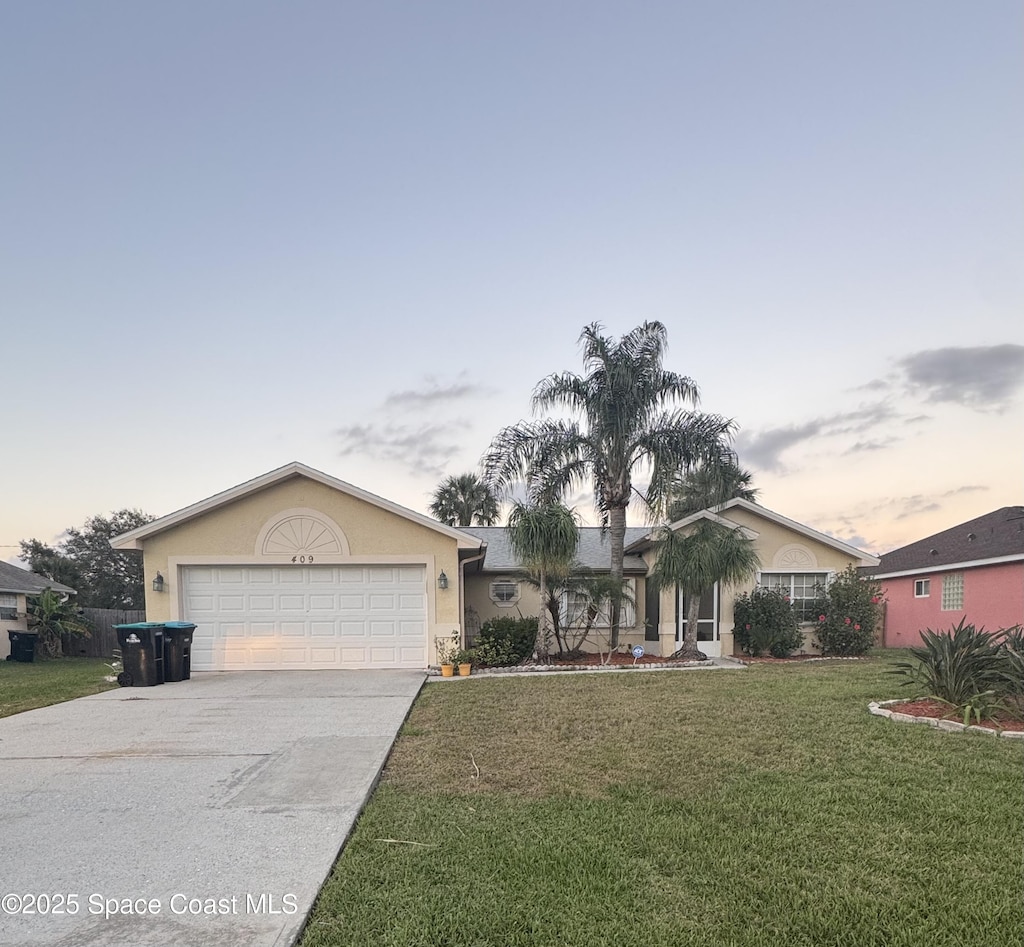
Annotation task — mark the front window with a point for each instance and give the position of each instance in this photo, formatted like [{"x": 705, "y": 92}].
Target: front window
[
  {"x": 801, "y": 587},
  {"x": 922, "y": 588},
  {"x": 8, "y": 606},
  {"x": 953, "y": 592},
  {"x": 576, "y": 608}
]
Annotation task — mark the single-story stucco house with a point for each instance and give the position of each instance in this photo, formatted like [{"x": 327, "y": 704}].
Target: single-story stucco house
[
  {"x": 973, "y": 572},
  {"x": 297, "y": 569},
  {"x": 16, "y": 585}
]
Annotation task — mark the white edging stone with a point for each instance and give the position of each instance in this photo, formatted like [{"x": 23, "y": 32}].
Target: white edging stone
[{"x": 881, "y": 709}]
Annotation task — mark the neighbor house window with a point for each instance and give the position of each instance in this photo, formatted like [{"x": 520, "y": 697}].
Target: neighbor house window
[
  {"x": 801, "y": 587},
  {"x": 504, "y": 592},
  {"x": 576, "y": 610},
  {"x": 953, "y": 592},
  {"x": 922, "y": 588},
  {"x": 8, "y": 606}
]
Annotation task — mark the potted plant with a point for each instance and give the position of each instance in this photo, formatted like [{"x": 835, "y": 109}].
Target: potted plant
[
  {"x": 447, "y": 648},
  {"x": 463, "y": 660}
]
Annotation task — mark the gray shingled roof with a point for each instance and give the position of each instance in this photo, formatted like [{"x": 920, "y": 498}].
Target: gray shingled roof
[
  {"x": 992, "y": 536},
  {"x": 14, "y": 579},
  {"x": 594, "y": 551}
]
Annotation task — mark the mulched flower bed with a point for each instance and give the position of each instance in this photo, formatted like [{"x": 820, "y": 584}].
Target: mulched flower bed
[
  {"x": 592, "y": 660},
  {"x": 925, "y": 707}
]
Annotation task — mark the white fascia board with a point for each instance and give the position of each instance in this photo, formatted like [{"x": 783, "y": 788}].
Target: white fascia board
[
  {"x": 950, "y": 566},
  {"x": 133, "y": 539}
]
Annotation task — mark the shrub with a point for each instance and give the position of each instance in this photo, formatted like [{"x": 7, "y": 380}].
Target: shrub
[
  {"x": 504, "y": 641},
  {"x": 958, "y": 666},
  {"x": 848, "y": 612},
  {"x": 764, "y": 620}
]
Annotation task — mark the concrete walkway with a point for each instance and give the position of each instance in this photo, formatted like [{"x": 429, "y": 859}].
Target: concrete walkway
[{"x": 204, "y": 812}]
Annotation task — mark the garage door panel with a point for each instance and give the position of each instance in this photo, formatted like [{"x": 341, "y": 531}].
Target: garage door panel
[{"x": 306, "y": 616}]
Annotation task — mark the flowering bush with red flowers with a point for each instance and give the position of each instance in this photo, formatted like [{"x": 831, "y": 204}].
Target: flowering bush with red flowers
[
  {"x": 765, "y": 620},
  {"x": 849, "y": 611}
]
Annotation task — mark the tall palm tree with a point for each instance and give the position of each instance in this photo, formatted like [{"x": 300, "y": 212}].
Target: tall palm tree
[
  {"x": 708, "y": 486},
  {"x": 544, "y": 538},
  {"x": 464, "y": 500},
  {"x": 630, "y": 423},
  {"x": 694, "y": 561}
]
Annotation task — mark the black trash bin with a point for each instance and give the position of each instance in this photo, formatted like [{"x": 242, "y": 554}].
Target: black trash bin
[
  {"x": 142, "y": 654},
  {"x": 178, "y": 650},
  {"x": 23, "y": 646}
]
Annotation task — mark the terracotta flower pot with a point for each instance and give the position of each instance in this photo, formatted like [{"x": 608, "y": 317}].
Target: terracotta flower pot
[
  {"x": 465, "y": 669},
  {"x": 447, "y": 670}
]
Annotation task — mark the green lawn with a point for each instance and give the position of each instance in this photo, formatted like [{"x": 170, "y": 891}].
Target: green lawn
[
  {"x": 27, "y": 686},
  {"x": 756, "y": 807}
]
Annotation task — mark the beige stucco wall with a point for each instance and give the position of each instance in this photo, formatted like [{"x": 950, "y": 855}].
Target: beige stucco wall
[
  {"x": 478, "y": 598},
  {"x": 228, "y": 535},
  {"x": 780, "y": 549},
  {"x": 17, "y": 624}
]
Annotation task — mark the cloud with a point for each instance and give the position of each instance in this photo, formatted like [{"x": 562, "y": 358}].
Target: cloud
[
  {"x": 420, "y": 448},
  {"x": 871, "y": 445},
  {"x": 764, "y": 449},
  {"x": 432, "y": 393},
  {"x": 394, "y": 433},
  {"x": 984, "y": 377}
]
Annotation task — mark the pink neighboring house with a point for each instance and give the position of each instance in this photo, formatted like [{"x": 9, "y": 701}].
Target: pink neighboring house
[{"x": 973, "y": 571}]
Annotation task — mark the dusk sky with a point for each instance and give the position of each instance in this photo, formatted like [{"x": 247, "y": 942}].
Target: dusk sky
[{"x": 237, "y": 234}]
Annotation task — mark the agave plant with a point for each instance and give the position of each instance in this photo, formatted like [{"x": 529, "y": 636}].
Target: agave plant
[{"x": 958, "y": 665}]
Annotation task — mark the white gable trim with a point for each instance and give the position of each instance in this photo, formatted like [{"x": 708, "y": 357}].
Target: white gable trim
[{"x": 134, "y": 538}]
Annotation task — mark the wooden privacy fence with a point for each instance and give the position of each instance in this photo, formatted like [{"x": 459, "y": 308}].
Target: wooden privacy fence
[{"x": 103, "y": 641}]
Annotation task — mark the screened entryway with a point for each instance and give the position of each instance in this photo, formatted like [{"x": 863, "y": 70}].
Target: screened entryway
[{"x": 709, "y": 639}]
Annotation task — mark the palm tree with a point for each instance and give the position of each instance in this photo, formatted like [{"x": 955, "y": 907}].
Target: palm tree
[
  {"x": 464, "y": 500},
  {"x": 544, "y": 538},
  {"x": 694, "y": 561},
  {"x": 708, "y": 486},
  {"x": 625, "y": 400}
]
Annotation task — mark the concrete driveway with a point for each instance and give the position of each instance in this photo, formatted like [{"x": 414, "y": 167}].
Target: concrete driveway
[{"x": 204, "y": 812}]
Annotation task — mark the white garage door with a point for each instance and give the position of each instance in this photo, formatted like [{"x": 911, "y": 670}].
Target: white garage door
[{"x": 283, "y": 617}]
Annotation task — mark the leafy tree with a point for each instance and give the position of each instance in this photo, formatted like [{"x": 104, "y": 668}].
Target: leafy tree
[
  {"x": 544, "y": 537},
  {"x": 51, "y": 617},
  {"x": 464, "y": 500},
  {"x": 48, "y": 562},
  {"x": 694, "y": 561},
  {"x": 103, "y": 577},
  {"x": 629, "y": 423},
  {"x": 708, "y": 486}
]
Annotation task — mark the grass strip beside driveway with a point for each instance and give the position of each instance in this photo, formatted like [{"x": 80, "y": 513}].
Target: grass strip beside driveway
[
  {"x": 762, "y": 807},
  {"x": 40, "y": 683}
]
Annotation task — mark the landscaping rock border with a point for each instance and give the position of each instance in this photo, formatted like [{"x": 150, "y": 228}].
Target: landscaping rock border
[
  {"x": 879, "y": 709},
  {"x": 580, "y": 668}
]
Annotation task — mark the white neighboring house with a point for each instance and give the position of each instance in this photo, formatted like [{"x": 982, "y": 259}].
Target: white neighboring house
[{"x": 16, "y": 584}]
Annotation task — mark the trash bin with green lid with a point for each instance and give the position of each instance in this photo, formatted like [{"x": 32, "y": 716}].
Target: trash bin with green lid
[
  {"x": 178, "y": 650},
  {"x": 23, "y": 646},
  {"x": 142, "y": 653}
]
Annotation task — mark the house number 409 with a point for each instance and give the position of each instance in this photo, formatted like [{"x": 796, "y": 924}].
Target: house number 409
[{"x": 302, "y": 558}]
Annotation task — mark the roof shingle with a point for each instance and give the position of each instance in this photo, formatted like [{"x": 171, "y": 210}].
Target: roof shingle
[
  {"x": 992, "y": 536},
  {"x": 21, "y": 581}
]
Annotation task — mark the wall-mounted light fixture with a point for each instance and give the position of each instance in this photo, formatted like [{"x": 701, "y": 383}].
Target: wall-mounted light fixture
[
  {"x": 442, "y": 580},
  {"x": 158, "y": 583}
]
